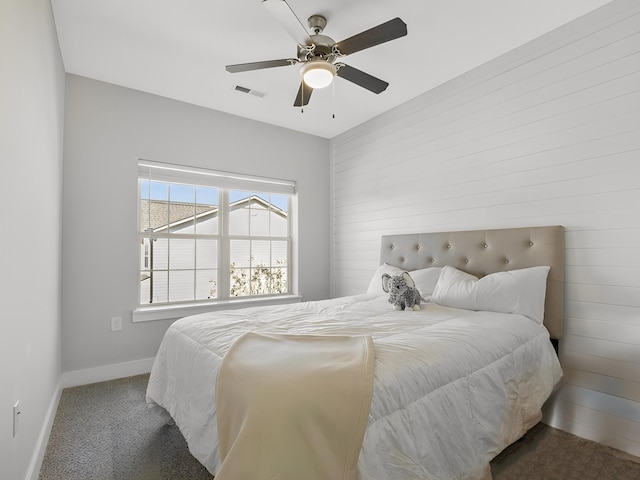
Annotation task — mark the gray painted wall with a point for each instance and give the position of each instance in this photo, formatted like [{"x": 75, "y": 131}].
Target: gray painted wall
[
  {"x": 31, "y": 132},
  {"x": 107, "y": 128},
  {"x": 546, "y": 134}
]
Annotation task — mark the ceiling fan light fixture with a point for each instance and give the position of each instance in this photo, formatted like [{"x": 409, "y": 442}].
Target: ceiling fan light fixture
[{"x": 318, "y": 73}]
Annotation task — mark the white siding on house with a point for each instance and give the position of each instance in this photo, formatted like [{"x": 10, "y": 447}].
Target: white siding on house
[
  {"x": 547, "y": 134},
  {"x": 254, "y": 218}
]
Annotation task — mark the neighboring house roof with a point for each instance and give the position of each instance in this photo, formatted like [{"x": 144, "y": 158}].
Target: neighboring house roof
[
  {"x": 256, "y": 199},
  {"x": 156, "y": 215}
]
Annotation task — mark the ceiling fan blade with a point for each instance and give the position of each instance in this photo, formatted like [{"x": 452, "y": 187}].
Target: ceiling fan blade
[
  {"x": 281, "y": 11},
  {"x": 245, "y": 67},
  {"x": 361, "y": 78},
  {"x": 384, "y": 32},
  {"x": 304, "y": 93}
]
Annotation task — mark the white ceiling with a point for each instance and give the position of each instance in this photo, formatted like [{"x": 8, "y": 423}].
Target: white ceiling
[{"x": 179, "y": 48}]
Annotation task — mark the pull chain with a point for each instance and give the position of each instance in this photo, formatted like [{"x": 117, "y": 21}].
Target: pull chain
[{"x": 333, "y": 99}]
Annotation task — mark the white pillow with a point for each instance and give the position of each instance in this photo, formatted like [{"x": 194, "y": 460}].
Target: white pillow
[
  {"x": 515, "y": 291},
  {"x": 425, "y": 280},
  {"x": 375, "y": 285}
]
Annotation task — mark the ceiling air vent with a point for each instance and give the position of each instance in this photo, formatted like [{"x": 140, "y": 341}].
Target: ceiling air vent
[{"x": 250, "y": 91}]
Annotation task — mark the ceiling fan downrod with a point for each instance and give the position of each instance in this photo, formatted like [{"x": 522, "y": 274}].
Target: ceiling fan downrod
[{"x": 317, "y": 23}]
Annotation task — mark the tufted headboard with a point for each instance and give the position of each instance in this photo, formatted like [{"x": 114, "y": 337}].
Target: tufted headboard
[{"x": 481, "y": 252}]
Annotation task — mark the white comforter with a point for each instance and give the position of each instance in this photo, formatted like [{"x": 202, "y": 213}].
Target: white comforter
[{"x": 452, "y": 387}]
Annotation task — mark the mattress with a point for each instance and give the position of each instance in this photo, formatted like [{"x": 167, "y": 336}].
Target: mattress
[{"x": 452, "y": 387}]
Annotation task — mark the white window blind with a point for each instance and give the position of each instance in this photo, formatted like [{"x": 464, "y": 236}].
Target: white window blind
[{"x": 171, "y": 173}]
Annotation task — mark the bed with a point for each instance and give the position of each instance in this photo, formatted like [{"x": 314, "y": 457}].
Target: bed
[{"x": 453, "y": 383}]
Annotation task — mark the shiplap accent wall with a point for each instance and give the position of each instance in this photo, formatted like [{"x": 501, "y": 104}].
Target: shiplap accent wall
[{"x": 546, "y": 134}]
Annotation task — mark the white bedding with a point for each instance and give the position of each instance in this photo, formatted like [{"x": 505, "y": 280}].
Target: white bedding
[{"x": 452, "y": 387}]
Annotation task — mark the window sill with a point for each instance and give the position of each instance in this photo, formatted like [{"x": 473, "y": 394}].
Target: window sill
[{"x": 172, "y": 312}]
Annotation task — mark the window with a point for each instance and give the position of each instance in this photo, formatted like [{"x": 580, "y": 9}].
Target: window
[{"x": 206, "y": 236}]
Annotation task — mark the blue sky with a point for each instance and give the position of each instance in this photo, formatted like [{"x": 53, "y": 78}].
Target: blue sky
[{"x": 201, "y": 195}]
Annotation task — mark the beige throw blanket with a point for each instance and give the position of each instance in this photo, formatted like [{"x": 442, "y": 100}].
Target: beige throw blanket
[{"x": 293, "y": 407}]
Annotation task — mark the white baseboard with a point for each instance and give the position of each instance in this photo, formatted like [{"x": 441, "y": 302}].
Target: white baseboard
[
  {"x": 106, "y": 372},
  {"x": 43, "y": 439}
]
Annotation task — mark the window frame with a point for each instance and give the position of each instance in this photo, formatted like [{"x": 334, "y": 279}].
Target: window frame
[{"x": 225, "y": 182}]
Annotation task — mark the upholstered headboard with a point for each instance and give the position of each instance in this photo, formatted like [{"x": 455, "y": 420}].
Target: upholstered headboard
[{"x": 481, "y": 252}]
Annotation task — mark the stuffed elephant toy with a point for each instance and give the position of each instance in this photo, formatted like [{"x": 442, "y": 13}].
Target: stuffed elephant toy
[{"x": 402, "y": 291}]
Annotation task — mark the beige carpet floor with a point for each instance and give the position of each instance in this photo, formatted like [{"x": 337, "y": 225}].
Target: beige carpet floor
[{"x": 104, "y": 431}]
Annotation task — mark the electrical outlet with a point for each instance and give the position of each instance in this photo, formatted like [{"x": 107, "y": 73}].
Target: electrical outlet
[
  {"x": 116, "y": 324},
  {"x": 16, "y": 417}
]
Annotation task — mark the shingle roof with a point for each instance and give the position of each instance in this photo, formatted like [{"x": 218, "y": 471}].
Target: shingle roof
[{"x": 157, "y": 214}]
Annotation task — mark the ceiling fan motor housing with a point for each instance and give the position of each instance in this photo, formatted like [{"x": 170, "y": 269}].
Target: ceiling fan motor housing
[{"x": 322, "y": 49}]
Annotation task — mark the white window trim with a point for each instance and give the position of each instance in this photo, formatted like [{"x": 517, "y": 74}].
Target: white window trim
[{"x": 173, "y": 173}]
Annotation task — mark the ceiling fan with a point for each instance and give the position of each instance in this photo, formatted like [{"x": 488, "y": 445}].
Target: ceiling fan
[{"x": 319, "y": 54}]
